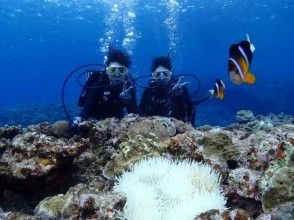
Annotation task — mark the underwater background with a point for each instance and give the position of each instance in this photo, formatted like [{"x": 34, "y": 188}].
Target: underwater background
[{"x": 42, "y": 41}]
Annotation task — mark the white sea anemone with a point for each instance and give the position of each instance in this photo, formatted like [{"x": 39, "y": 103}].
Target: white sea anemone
[{"x": 162, "y": 189}]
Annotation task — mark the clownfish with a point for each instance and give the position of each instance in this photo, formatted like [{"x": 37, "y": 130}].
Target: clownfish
[
  {"x": 219, "y": 89},
  {"x": 240, "y": 58}
]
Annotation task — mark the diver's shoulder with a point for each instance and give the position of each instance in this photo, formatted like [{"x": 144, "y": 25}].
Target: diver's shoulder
[{"x": 98, "y": 77}]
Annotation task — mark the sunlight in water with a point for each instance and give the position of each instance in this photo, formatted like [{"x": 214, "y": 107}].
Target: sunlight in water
[
  {"x": 171, "y": 23},
  {"x": 120, "y": 24},
  {"x": 119, "y": 21}
]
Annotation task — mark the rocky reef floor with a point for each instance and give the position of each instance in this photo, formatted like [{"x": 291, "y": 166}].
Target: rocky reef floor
[{"x": 47, "y": 173}]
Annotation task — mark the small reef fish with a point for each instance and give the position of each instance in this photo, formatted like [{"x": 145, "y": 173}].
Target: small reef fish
[
  {"x": 219, "y": 89},
  {"x": 240, "y": 58}
]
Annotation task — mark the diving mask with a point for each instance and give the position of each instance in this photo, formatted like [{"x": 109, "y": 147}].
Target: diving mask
[
  {"x": 116, "y": 70},
  {"x": 161, "y": 75},
  {"x": 117, "y": 74}
]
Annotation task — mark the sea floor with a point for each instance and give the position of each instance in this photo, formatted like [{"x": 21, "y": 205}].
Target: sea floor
[{"x": 47, "y": 172}]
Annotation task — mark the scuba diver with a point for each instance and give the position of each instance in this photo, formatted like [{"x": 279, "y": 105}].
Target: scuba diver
[
  {"x": 164, "y": 96},
  {"x": 168, "y": 96},
  {"x": 110, "y": 92}
]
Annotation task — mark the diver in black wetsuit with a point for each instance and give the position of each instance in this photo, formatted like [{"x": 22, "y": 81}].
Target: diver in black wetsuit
[
  {"x": 165, "y": 96},
  {"x": 169, "y": 97},
  {"x": 108, "y": 93}
]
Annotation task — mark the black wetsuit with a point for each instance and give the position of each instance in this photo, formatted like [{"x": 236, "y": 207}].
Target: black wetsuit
[
  {"x": 103, "y": 101},
  {"x": 159, "y": 100}
]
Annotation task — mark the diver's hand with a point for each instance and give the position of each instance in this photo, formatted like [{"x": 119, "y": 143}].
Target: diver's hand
[
  {"x": 178, "y": 88},
  {"x": 211, "y": 91},
  {"x": 126, "y": 93},
  {"x": 77, "y": 120},
  {"x": 74, "y": 125}
]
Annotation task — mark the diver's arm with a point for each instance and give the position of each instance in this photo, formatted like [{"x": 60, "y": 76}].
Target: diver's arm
[
  {"x": 82, "y": 102},
  {"x": 92, "y": 97},
  {"x": 74, "y": 123},
  {"x": 90, "y": 82}
]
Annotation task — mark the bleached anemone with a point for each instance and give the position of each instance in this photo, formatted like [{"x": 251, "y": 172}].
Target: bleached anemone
[{"x": 163, "y": 189}]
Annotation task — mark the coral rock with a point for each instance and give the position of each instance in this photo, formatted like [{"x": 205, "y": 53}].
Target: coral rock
[
  {"x": 81, "y": 201},
  {"x": 133, "y": 150},
  {"x": 244, "y": 116},
  {"x": 277, "y": 183},
  {"x": 9, "y": 132},
  {"x": 280, "y": 188},
  {"x": 35, "y": 154},
  {"x": 219, "y": 146},
  {"x": 281, "y": 212},
  {"x": 235, "y": 214},
  {"x": 245, "y": 182},
  {"x": 184, "y": 146},
  {"x": 16, "y": 216},
  {"x": 60, "y": 128}
]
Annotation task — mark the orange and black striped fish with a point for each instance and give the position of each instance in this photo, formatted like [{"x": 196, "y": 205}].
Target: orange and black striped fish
[
  {"x": 219, "y": 89},
  {"x": 239, "y": 62}
]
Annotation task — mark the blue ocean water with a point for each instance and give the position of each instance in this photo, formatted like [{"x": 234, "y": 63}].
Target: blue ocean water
[{"x": 41, "y": 41}]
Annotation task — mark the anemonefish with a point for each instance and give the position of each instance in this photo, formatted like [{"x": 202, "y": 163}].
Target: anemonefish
[
  {"x": 240, "y": 58},
  {"x": 219, "y": 89}
]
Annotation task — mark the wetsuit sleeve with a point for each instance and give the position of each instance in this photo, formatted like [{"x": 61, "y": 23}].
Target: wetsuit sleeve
[
  {"x": 132, "y": 104},
  {"x": 88, "y": 97},
  {"x": 144, "y": 103},
  {"x": 90, "y": 104}
]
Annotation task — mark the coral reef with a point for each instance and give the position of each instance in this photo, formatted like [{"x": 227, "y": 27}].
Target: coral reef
[{"x": 46, "y": 173}]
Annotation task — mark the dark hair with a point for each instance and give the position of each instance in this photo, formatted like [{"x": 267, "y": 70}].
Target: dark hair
[
  {"x": 119, "y": 56},
  {"x": 164, "y": 61}
]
